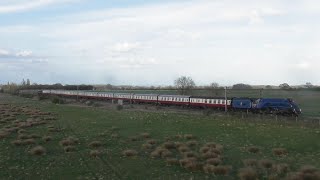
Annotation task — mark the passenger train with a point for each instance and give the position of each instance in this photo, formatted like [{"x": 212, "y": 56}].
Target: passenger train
[{"x": 258, "y": 105}]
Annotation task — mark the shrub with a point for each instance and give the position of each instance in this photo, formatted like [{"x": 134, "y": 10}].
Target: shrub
[
  {"x": 281, "y": 168},
  {"x": 192, "y": 143},
  {"x": 152, "y": 141},
  {"x": 147, "y": 146},
  {"x": 145, "y": 135},
  {"x": 169, "y": 145},
  {"x": 57, "y": 100},
  {"x": 38, "y": 150},
  {"x": 188, "y": 136}
]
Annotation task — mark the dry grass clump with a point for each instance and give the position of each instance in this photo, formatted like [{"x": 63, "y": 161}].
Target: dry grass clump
[
  {"x": 183, "y": 149},
  {"x": 29, "y": 141},
  {"x": 147, "y": 146},
  {"x": 95, "y": 153},
  {"x": 151, "y": 141},
  {"x": 247, "y": 174},
  {"x": 24, "y": 136},
  {"x": 69, "y": 149},
  {"x": 134, "y": 138},
  {"x": 214, "y": 161},
  {"x": 178, "y": 136},
  {"x": 192, "y": 143},
  {"x": 209, "y": 155},
  {"x": 34, "y": 136},
  {"x": 253, "y": 149},
  {"x": 222, "y": 170},
  {"x": 172, "y": 161},
  {"x": 281, "y": 168},
  {"x": 184, "y": 161},
  {"x": 190, "y": 154},
  {"x": 280, "y": 151},
  {"x": 210, "y": 145},
  {"x": 3, "y": 134},
  {"x": 145, "y": 135},
  {"x": 38, "y": 150},
  {"x": 70, "y": 141},
  {"x": 305, "y": 173},
  {"x": 193, "y": 166},
  {"x": 189, "y": 136},
  {"x": 217, "y": 170},
  {"x": 169, "y": 145},
  {"x": 179, "y": 144},
  {"x": 17, "y": 142},
  {"x": 22, "y": 131},
  {"x": 47, "y": 138},
  {"x": 266, "y": 163},
  {"x": 204, "y": 150},
  {"x": 95, "y": 144},
  {"x": 129, "y": 153},
  {"x": 161, "y": 152},
  {"x": 250, "y": 162}
]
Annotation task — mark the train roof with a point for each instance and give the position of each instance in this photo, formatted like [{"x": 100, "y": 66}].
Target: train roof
[
  {"x": 146, "y": 94},
  {"x": 208, "y": 97},
  {"x": 179, "y": 96}
]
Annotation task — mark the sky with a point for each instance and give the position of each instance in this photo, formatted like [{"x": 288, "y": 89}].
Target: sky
[{"x": 139, "y": 42}]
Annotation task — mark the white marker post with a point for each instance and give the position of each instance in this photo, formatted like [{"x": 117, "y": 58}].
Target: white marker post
[{"x": 225, "y": 97}]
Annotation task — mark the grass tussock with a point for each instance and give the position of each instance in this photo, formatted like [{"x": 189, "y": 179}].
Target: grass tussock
[
  {"x": 47, "y": 138},
  {"x": 250, "y": 162},
  {"x": 134, "y": 138},
  {"x": 95, "y": 144},
  {"x": 266, "y": 163},
  {"x": 190, "y": 154},
  {"x": 209, "y": 155},
  {"x": 34, "y": 136},
  {"x": 114, "y": 135},
  {"x": 147, "y": 146},
  {"x": 192, "y": 143},
  {"x": 161, "y": 152},
  {"x": 247, "y": 174},
  {"x": 172, "y": 161},
  {"x": 29, "y": 141},
  {"x": 189, "y": 136},
  {"x": 38, "y": 150},
  {"x": 70, "y": 141},
  {"x": 183, "y": 149},
  {"x": 145, "y": 135},
  {"x": 214, "y": 161},
  {"x": 169, "y": 145},
  {"x": 222, "y": 170},
  {"x": 282, "y": 168},
  {"x": 22, "y": 131},
  {"x": 253, "y": 149},
  {"x": 95, "y": 153},
  {"x": 152, "y": 141},
  {"x": 69, "y": 149},
  {"x": 129, "y": 153},
  {"x": 17, "y": 142},
  {"x": 3, "y": 134},
  {"x": 24, "y": 136},
  {"x": 280, "y": 151}
]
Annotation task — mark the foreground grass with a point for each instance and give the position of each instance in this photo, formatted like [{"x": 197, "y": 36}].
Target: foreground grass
[{"x": 117, "y": 131}]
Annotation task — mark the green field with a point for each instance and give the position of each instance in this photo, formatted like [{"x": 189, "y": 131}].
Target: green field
[{"x": 119, "y": 130}]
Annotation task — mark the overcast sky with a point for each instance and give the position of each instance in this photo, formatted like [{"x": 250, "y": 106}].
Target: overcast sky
[{"x": 139, "y": 42}]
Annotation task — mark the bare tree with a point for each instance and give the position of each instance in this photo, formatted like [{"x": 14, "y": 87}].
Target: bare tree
[
  {"x": 284, "y": 86},
  {"x": 214, "y": 85},
  {"x": 309, "y": 85},
  {"x": 184, "y": 84}
]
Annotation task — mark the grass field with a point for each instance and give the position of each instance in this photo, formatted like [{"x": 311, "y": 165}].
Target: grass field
[{"x": 117, "y": 131}]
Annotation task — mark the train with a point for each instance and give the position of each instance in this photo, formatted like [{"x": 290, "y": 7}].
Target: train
[{"x": 282, "y": 106}]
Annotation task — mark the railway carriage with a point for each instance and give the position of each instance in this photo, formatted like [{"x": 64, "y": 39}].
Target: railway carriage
[
  {"x": 209, "y": 102},
  {"x": 173, "y": 100},
  {"x": 145, "y": 98}
]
